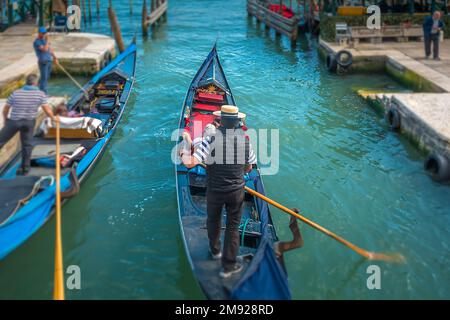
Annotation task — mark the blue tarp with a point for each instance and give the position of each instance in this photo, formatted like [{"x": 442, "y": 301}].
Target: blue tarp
[{"x": 265, "y": 278}]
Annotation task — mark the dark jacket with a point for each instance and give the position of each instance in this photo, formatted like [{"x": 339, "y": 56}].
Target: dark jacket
[{"x": 428, "y": 25}]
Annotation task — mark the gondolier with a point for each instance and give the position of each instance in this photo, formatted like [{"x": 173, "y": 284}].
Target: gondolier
[
  {"x": 45, "y": 55},
  {"x": 24, "y": 104},
  {"x": 228, "y": 155}
]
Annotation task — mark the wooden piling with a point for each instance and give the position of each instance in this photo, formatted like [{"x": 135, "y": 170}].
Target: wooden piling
[
  {"x": 83, "y": 2},
  {"x": 98, "y": 7},
  {"x": 90, "y": 10},
  {"x": 115, "y": 27},
  {"x": 131, "y": 6},
  {"x": 144, "y": 19},
  {"x": 274, "y": 20}
]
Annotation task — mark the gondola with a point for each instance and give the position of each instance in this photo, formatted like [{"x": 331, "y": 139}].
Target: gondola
[
  {"x": 264, "y": 275},
  {"x": 27, "y": 202}
]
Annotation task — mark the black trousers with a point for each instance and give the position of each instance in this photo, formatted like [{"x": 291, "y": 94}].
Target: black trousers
[
  {"x": 432, "y": 38},
  {"x": 26, "y": 129},
  {"x": 233, "y": 202}
]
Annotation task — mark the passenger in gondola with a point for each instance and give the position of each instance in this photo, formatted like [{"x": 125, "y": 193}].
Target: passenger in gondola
[
  {"x": 225, "y": 184},
  {"x": 23, "y": 105}
]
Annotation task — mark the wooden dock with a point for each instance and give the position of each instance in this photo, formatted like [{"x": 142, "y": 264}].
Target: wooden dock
[
  {"x": 79, "y": 53},
  {"x": 282, "y": 25},
  {"x": 423, "y": 117}
]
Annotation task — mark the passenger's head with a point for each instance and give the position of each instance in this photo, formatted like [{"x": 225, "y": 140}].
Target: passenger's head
[
  {"x": 61, "y": 110},
  {"x": 32, "y": 80},
  {"x": 436, "y": 15}
]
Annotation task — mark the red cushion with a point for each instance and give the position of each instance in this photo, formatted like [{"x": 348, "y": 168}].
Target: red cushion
[
  {"x": 210, "y": 97},
  {"x": 198, "y": 122},
  {"x": 206, "y": 107}
]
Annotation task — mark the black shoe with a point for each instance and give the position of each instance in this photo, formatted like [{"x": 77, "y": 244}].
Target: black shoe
[
  {"x": 22, "y": 171},
  {"x": 224, "y": 274}
]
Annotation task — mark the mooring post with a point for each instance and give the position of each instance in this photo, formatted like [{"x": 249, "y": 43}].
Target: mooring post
[
  {"x": 98, "y": 8},
  {"x": 41, "y": 13},
  {"x": 83, "y": 3},
  {"x": 90, "y": 10},
  {"x": 115, "y": 28},
  {"x": 144, "y": 19}
]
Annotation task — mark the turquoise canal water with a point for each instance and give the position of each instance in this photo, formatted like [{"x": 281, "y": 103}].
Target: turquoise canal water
[{"x": 338, "y": 163}]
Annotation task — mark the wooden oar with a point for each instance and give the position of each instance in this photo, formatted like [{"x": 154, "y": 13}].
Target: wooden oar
[
  {"x": 72, "y": 78},
  {"x": 398, "y": 258},
  {"x": 58, "y": 289}
]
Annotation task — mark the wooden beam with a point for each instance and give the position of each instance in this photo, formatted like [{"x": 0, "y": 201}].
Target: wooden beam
[{"x": 156, "y": 14}]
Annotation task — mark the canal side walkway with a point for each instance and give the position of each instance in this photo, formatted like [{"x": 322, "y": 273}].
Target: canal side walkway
[
  {"x": 79, "y": 53},
  {"x": 423, "y": 116}
]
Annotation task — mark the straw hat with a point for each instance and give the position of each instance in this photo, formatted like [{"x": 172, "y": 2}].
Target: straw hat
[{"x": 229, "y": 111}]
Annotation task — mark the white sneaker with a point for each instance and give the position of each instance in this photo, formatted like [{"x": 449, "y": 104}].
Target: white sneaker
[
  {"x": 224, "y": 274},
  {"x": 215, "y": 256}
]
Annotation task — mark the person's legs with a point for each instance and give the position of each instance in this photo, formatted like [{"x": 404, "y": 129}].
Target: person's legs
[
  {"x": 427, "y": 42},
  {"x": 45, "y": 70},
  {"x": 436, "y": 46},
  {"x": 26, "y": 128},
  {"x": 233, "y": 206},
  {"x": 214, "y": 205},
  {"x": 8, "y": 131}
]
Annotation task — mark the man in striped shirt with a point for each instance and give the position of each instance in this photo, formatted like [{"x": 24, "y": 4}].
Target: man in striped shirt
[
  {"x": 228, "y": 155},
  {"x": 24, "y": 104}
]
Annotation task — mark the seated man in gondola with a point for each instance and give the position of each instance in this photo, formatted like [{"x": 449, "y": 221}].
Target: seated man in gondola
[{"x": 225, "y": 184}]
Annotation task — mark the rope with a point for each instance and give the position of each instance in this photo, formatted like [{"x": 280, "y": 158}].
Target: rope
[
  {"x": 243, "y": 231},
  {"x": 34, "y": 191}
]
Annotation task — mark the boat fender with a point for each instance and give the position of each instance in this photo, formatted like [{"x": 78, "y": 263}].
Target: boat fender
[
  {"x": 344, "y": 59},
  {"x": 393, "y": 119},
  {"x": 438, "y": 167},
  {"x": 331, "y": 63}
]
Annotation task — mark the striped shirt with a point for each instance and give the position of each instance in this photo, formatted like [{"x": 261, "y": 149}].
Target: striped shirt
[
  {"x": 25, "y": 103},
  {"x": 203, "y": 151}
]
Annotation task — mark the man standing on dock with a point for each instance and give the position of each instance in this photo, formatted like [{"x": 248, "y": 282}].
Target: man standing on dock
[
  {"x": 24, "y": 104},
  {"x": 45, "y": 55},
  {"x": 432, "y": 27},
  {"x": 228, "y": 155}
]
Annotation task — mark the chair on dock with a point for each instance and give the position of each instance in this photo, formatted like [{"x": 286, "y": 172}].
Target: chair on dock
[
  {"x": 59, "y": 24},
  {"x": 342, "y": 34}
]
